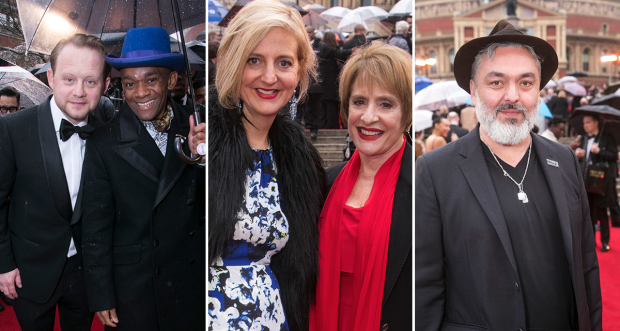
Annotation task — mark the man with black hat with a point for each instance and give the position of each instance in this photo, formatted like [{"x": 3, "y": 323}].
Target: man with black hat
[
  {"x": 144, "y": 215},
  {"x": 503, "y": 235}
]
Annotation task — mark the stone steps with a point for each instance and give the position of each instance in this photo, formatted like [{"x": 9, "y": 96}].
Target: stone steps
[{"x": 330, "y": 144}]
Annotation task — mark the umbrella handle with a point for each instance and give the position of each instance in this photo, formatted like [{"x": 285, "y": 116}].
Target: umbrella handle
[{"x": 179, "y": 140}]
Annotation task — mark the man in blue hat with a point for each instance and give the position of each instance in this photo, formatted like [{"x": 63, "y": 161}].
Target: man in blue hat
[
  {"x": 144, "y": 221},
  {"x": 41, "y": 167}
]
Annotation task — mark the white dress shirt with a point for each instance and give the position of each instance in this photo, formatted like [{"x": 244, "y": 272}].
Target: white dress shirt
[
  {"x": 72, "y": 153},
  {"x": 589, "y": 145}
]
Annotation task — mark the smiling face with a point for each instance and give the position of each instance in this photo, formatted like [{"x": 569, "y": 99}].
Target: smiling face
[
  {"x": 145, "y": 90},
  {"x": 77, "y": 81},
  {"x": 270, "y": 76},
  {"x": 506, "y": 97},
  {"x": 375, "y": 121},
  {"x": 443, "y": 127}
]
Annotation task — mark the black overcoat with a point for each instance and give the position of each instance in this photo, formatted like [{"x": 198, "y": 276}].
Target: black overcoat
[
  {"x": 144, "y": 227},
  {"x": 466, "y": 276},
  {"x": 36, "y": 217},
  {"x": 396, "y": 310},
  {"x": 608, "y": 154}
]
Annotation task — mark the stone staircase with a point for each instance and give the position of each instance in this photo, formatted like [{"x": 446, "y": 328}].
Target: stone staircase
[{"x": 330, "y": 144}]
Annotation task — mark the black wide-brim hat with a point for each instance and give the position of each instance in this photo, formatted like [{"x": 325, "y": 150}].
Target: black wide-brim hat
[{"x": 504, "y": 32}]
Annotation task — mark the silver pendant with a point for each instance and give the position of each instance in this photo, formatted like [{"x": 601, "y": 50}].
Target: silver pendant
[{"x": 523, "y": 197}]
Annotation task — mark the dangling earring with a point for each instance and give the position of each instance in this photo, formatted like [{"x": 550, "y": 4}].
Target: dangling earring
[
  {"x": 240, "y": 107},
  {"x": 293, "y": 106}
]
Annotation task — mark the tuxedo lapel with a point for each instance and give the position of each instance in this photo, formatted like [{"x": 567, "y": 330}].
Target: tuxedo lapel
[
  {"x": 476, "y": 171},
  {"x": 52, "y": 161},
  {"x": 77, "y": 211},
  {"x": 136, "y": 146},
  {"x": 400, "y": 245},
  {"x": 173, "y": 166},
  {"x": 553, "y": 174}
]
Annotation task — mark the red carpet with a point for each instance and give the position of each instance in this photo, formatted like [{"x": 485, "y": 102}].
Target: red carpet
[
  {"x": 8, "y": 321},
  {"x": 609, "y": 264}
]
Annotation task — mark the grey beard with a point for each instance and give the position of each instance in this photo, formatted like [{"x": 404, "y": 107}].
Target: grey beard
[{"x": 511, "y": 132}]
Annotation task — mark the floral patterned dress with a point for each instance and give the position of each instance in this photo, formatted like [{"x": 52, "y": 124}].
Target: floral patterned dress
[{"x": 243, "y": 291}]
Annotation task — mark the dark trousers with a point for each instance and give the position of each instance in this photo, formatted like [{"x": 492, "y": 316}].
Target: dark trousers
[
  {"x": 599, "y": 214},
  {"x": 70, "y": 295},
  {"x": 314, "y": 116},
  {"x": 614, "y": 213}
]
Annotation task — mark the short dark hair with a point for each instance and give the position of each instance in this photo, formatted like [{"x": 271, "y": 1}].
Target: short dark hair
[
  {"x": 556, "y": 121},
  {"x": 214, "y": 46},
  {"x": 85, "y": 41},
  {"x": 11, "y": 92},
  {"x": 198, "y": 83},
  {"x": 594, "y": 116}
]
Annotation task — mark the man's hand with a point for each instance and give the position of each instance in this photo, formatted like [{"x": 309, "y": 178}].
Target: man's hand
[
  {"x": 197, "y": 136},
  {"x": 108, "y": 317},
  {"x": 454, "y": 137},
  {"x": 575, "y": 143},
  {"x": 8, "y": 281},
  {"x": 580, "y": 152},
  {"x": 594, "y": 149}
]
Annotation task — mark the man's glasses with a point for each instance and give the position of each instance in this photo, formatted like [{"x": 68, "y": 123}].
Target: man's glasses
[{"x": 5, "y": 110}]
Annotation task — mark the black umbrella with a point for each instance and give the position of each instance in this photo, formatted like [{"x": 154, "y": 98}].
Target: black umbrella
[
  {"x": 609, "y": 119},
  {"x": 577, "y": 74},
  {"x": 609, "y": 100},
  {"x": 240, "y": 3},
  {"x": 612, "y": 88}
]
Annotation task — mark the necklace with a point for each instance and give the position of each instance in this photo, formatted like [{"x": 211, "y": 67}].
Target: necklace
[{"x": 521, "y": 195}]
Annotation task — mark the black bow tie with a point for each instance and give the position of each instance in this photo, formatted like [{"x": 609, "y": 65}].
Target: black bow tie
[
  {"x": 67, "y": 130},
  {"x": 590, "y": 136}
]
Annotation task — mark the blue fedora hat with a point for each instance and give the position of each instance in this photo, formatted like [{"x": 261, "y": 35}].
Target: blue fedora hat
[{"x": 147, "y": 47}]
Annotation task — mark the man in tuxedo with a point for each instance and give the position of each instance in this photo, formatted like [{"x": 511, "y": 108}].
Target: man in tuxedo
[
  {"x": 144, "y": 211},
  {"x": 358, "y": 39},
  {"x": 503, "y": 235},
  {"x": 455, "y": 127},
  {"x": 9, "y": 100},
  {"x": 597, "y": 148},
  {"x": 41, "y": 156}
]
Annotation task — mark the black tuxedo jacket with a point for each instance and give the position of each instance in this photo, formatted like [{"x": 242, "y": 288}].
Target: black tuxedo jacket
[
  {"x": 144, "y": 227},
  {"x": 466, "y": 274},
  {"x": 36, "y": 217},
  {"x": 328, "y": 69},
  {"x": 396, "y": 310},
  {"x": 608, "y": 153}
]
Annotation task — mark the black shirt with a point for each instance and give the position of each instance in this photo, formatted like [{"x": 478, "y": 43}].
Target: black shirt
[{"x": 537, "y": 243}]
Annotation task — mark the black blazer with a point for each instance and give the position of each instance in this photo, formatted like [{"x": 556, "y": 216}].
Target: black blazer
[
  {"x": 36, "y": 217},
  {"x": 466, "y": 274},
  {"x": 144, "y": 227},
  {"x": 328, "y": 69},
  {"x": 608, "y": 153},
  {"x": 396, "y": 311}
]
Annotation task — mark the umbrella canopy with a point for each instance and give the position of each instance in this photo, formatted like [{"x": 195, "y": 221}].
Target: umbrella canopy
[
  {"x": 575, "y": 89},
  {"x": 612, "y": 88},
  {"x": 612, "y": 100},
  {"x": 609, "y": 119},
  {"x": 32, "y": 90},
  {"x": 217, "y": 11},
  {"x": 423, "y": 120},
  {"x": 335, "y": 14},
  {"x": 363, "y": 15},
  {"x": 544, "y": 110},
  {"x": 313, "y": 18},
  {"x": 565, "y": 79},
  {"x": 403, "y": 7},
  {"x": 45, "y": 22},
  {"x": 448, "y": 94},
  {"x": 577, "y": 74},
  {"x": 551, "y": 84},
  {"x": 422, "y": 82},
  {"x": 240, "y": 3}
]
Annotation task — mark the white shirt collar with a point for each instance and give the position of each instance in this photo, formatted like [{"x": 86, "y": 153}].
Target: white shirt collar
[{"x": 58, "y": 115}]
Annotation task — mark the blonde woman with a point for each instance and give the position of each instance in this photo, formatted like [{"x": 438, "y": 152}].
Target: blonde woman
[{"x": 266, "y": 182}]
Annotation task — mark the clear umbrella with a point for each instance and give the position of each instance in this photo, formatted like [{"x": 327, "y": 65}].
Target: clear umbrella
[
  {"x": 448, "y": 94},
  {"x": 403, "y": 7},
  {"x": 334, "y": 15},
  {"x": 32, "y": 90},
  {"x": 313, "y": 18},
  {"x": 363, "y": 15}
]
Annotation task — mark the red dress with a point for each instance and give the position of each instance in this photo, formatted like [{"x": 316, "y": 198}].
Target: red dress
[{"x": 348, "y": 231}]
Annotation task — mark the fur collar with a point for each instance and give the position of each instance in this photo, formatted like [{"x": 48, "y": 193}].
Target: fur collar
[{"x": 302, "y": 185}]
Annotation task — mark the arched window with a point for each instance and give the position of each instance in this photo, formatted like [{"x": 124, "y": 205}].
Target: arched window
[
  {"x": 451, "y": 52},
  {"x": 586, "y": 59},
  {"x": 434, "y": 66},
  {"x": 567, "y": 59}
]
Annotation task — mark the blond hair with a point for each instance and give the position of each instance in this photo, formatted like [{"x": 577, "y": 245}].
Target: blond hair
[
  {"x": 379, "y": 65},
  {"x": 243, "y": 35},
  {"x": 84, "y": 41}
]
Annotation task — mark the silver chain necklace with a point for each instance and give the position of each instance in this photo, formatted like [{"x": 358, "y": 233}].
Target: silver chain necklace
[{"x": 521, "y": 195}]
